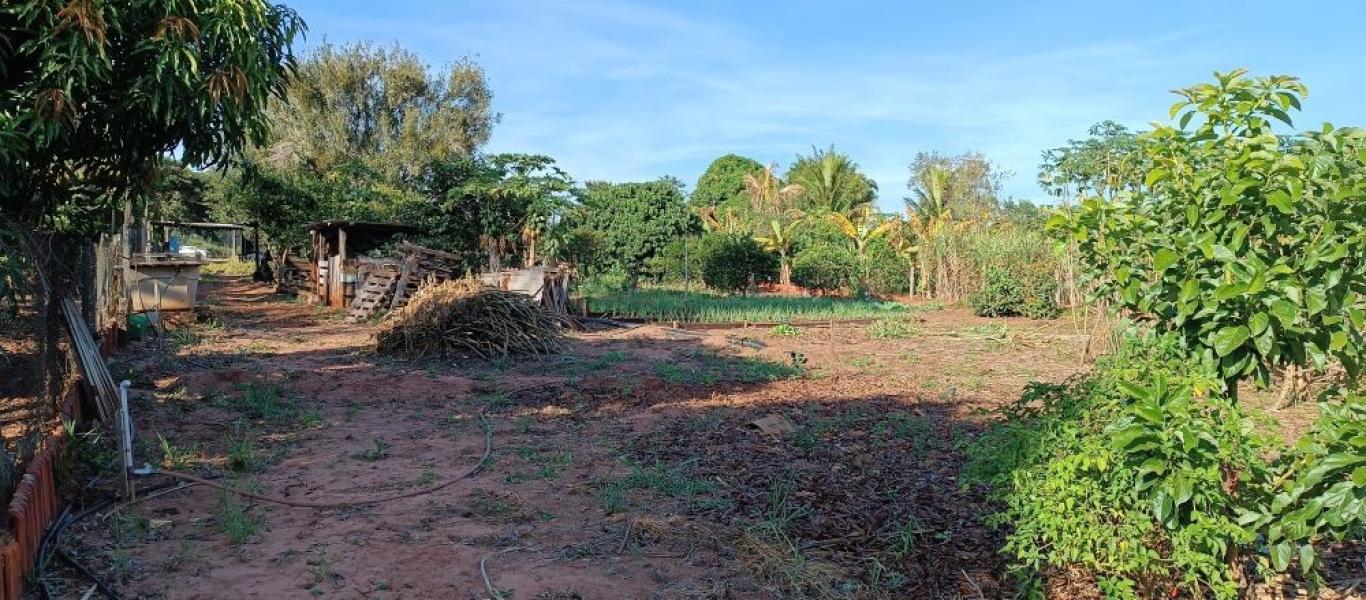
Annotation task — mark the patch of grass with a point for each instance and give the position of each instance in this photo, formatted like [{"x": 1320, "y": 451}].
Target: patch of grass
[
  {"x": 235, "y": 519},
  {"x": 494, "y": 401},
  {"x": 774, "y": 558},
  {"x": 127, "y": 528},
  {"x": 525, "y": 423},
  {"x": 905, "y": 426},
  {"x": 311, "y": 418},
  {"x": 258, "y": 401},
  {"x": 242, "y": 453},
  {"x": 781, "y": 511},
  {"x": 548, "y": 465},
  {"x": 175, "y": 458},
  {"x": 664, "y": 304},
  {"x": 906, "y": 539},
  {"x": 810, "y": 434},
  {"x": 890, "y": 329},
  {"x": 863, "y": 363},
  {"x": 711, "y": 369},
  {"x": 675, "y": 374},
  {"x": 185, "y": 553},
  {"x": 184, "y": 337},
  {"x": 676, "y": 482},
  {"x": 380, "y": 451},
  {"x": 991, "y": 329},
  {"x": 608, "y": 359},
  {"x": 232, "y": 268},
  {"x": 786, "y": 330},
  {"x": 553, "y": 464},
  {"x": 427, "y": 477},
  {"x": 320, "y": 568}
]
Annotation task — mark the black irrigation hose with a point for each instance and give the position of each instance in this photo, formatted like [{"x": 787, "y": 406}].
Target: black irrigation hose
[
  {"x": 99, "y": 583},
  {"x": 52, "y": 539}
]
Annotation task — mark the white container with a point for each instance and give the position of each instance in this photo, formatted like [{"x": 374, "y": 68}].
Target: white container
[{"x": 164, "y": 285}]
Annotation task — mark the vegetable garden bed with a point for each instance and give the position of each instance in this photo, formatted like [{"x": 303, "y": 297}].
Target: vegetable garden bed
[{"x": 704, "y": 307}]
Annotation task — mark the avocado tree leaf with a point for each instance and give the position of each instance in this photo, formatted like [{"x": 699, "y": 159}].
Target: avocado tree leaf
[{"x": 1230, "y": 338}]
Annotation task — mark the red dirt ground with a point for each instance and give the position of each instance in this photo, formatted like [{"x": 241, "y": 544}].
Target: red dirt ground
[{"x": 626, "y": 467}]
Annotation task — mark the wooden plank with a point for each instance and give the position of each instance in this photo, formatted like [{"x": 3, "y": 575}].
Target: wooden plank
[{"x": 92, "y": 365}]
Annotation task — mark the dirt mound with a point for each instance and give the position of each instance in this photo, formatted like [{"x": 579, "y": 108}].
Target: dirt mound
[{"x": 465, "y": 319}]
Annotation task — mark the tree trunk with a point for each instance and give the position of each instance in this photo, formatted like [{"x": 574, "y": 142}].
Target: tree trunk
[{"x": 785, "y": 272}]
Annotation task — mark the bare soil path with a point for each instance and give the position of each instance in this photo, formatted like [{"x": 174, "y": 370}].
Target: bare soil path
[{"x": 627, "y": 467}]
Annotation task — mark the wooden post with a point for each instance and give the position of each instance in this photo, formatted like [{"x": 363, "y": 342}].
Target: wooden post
[
  {"x": 313, "y": 258},
  {"x": 338, "y": 295}
]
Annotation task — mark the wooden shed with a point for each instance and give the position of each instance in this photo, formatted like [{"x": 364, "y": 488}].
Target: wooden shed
[{"x": 337, "y": 251}]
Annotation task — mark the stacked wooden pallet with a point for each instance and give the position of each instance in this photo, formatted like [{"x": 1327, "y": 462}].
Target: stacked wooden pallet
[
  {"x": 390, "y": 286},
  {"x": 374, "y": 295},
  {"x": 421, "y": 266}
]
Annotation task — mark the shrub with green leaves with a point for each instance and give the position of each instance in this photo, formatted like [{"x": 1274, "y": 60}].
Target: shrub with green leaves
[
  {"x": 1246, "y": 243},
  {"x": 1027, "y": 293},
  {"x": 824, "y": 268},
  {"x": 888, "y": 270},
  {"x": 1319, "y": 492},
  {"x": 732, "y": 262},
  {"x": 1140, "y": 484},
  {"x": 786, "y": 330}
]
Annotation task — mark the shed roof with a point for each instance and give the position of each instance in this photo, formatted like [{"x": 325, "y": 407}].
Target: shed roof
[
  {"x": 363, "y": 227},
  {"x": 203, "y": 225}
]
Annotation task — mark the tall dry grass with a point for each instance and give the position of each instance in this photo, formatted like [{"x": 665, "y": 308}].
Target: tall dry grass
[{"x": 952, "y": 263}]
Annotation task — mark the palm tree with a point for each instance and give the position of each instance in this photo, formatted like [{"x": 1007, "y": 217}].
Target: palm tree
[
  {"x": 931, "y": 194},
  {"x": 721, "y": 219},
  {"x": 863, "y": 229},
  {"x": 928, "y": 212},
  {"x": 780, "y": 239},
  {"x": 832, "y": 181},
  {"x": 768, "y": 195}
]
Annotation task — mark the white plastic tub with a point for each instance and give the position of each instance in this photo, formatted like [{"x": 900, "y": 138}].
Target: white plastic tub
[{"x": 164, "y": 285}]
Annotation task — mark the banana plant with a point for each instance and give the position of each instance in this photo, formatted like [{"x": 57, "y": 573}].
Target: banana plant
[
  {"x": 780, "y": 239},
  {"x": 862, "y": 227}
]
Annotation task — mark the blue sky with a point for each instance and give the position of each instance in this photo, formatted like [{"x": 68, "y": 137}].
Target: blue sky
[{"x": 625, "y": 91}]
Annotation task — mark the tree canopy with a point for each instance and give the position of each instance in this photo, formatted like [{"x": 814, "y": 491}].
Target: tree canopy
[
  {"x": 966, "y": 185},
  {"x": 95, "y": 93},
  {"x": 723, "y": 183},
  {"x": 1107, "y": 162},
  {"x": 379, "y": 106},
  {"x": 830, "y": 181},
  {"x": 637, "y": 220}
]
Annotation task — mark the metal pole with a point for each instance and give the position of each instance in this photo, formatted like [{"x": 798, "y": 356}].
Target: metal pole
[{"x": 687, "y": 278}]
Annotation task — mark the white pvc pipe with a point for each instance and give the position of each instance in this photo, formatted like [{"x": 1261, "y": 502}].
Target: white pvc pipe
[{"x": 127, "y": 425}]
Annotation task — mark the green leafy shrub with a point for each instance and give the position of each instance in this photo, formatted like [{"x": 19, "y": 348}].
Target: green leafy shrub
[
  {"x": 887, "y": 270},
  {"x": 1319, "y": 492},
  {"x": 614, "y": 280},
  {"x": 732, "y": 262},
  {"x": 824, "y": 267},
  {"x": 1246, "y": 243},
  {"x": 681, "y": 260},
  {"x": 1140, "y": 484},
  {"x": 1027, "y": 293},
  {"x": 786, "y": 330}
]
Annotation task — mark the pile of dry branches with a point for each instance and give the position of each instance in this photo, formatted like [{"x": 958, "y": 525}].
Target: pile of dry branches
[{"x": 465, "y": 319}]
